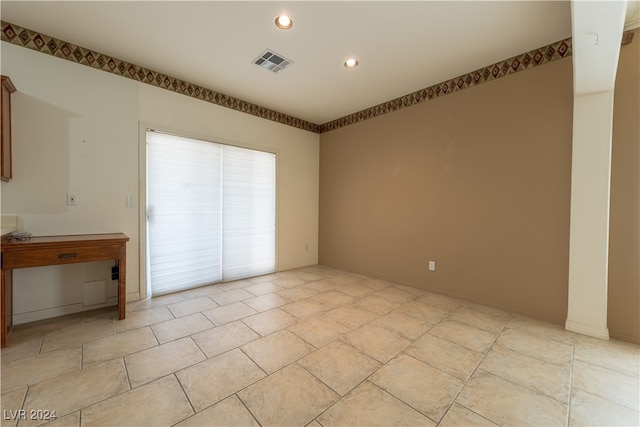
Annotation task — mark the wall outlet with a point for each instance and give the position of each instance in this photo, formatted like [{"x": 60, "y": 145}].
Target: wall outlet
[
  {"x": 432, "y": 265},
  {"x": 71, "y": 199}
]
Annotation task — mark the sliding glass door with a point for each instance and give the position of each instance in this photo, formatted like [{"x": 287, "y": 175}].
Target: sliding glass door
[
  {"x": 249, "y": 212},
  {"x": 210, "y": 212}
]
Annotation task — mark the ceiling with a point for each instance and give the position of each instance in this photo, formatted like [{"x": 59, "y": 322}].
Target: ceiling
[{"x": 401, "y": 47}]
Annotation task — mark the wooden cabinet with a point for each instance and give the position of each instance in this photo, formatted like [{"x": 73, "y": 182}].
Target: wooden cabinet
[
  {"x": 5, "y": 150},
  {"x": 58, "y": 250}
]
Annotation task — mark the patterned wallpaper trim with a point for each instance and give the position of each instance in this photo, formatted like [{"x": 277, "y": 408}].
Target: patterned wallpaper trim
[
  {"x": 504, "y": 68},
  {"x": 51, "y": 46},
  {"x": 23, "y": 37}
]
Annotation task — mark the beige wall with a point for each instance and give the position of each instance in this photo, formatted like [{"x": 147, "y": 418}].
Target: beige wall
[
  {"x": 624, "y": 251},
  {"x": 77, "y": 130},
  {"x": 479, "y": 181}
]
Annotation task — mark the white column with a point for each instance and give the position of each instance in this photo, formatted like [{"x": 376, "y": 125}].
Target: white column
[
  {"x": 589, "y": 235},
  {"x": 597, "y": 31}
]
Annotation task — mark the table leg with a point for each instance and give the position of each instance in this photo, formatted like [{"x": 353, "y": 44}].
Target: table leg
[
  {"x": 6, "y": 302},
  {"x": 122, "y": 287}
]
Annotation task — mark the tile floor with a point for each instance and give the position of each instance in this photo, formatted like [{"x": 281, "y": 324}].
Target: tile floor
[{"x": 314, "y": 346}]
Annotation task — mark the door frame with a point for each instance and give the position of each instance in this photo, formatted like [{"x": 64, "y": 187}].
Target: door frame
[{"x": 142, "y": 189}]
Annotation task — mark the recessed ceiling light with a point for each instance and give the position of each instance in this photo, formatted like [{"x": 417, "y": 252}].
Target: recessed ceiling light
[
  {"x": 284, "y": 22},
  {"x": 351, "y": 63}
]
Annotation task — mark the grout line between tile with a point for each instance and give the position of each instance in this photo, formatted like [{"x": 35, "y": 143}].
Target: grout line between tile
[
  {"x": 24, "y": 399},
  {"x": 573, "y": 359},
  {"x": 81, "y": 356},
  {"x": 254, "y": 362},
  {"x": 187, "y": 396},
  {"x": 126, "y": 371},
  {"x": 471, "y": 376},
  {"x": 320, "y": 314},
  {"x": 246, "y": 407},
  {"x": 608, "y": 368},
  {"x": 316, "y": 377},
  {"x": 382, "y": 365},
  {"x": 41, "y": 344}
]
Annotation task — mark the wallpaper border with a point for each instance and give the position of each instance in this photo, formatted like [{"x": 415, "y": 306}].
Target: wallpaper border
[
  {"x": 525, "y": 61},
  {"x": 30, "y": 39},
  {"x": 43, "y": 43}
]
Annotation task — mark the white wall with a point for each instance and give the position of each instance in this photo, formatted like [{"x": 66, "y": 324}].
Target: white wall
[{"x": 76, "y": 130}]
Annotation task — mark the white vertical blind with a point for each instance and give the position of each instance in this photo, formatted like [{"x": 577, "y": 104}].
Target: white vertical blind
[
  {"x": 183, "y": 212},
  {"x": 248, "y": 192},
  {"x": 210, "y": 212}
]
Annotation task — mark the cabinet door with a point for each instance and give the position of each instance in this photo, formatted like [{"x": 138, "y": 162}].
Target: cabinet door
[{"x": 5, "y": 149}]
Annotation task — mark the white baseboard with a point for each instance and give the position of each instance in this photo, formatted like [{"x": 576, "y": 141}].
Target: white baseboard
[
  {"x": 48, "y": 313},
  {"x": 133, "y": 297},
  {"x": 602, "y": 333}
]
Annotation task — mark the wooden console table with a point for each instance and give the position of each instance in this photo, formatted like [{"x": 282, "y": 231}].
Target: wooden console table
[{"x": 59, "y": 250}]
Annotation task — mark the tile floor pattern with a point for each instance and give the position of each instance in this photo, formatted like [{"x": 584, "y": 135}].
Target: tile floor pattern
[{"x": 318, "y": 347}]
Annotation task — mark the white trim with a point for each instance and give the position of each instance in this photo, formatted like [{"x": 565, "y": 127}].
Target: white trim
[
  {"x": 142, "y": 208},
  {"x": 142, "y": 191},
  {"x": 48, "y": 313},
  {"x": 632, "y": 15},
  {"x": 134, "y": 296},
  {"x": 632, "y": 25},
  {"x": 602, "y": 333}
]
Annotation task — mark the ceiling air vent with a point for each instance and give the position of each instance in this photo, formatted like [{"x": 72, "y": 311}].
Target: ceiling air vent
[{"x": 272, "y": 61}]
